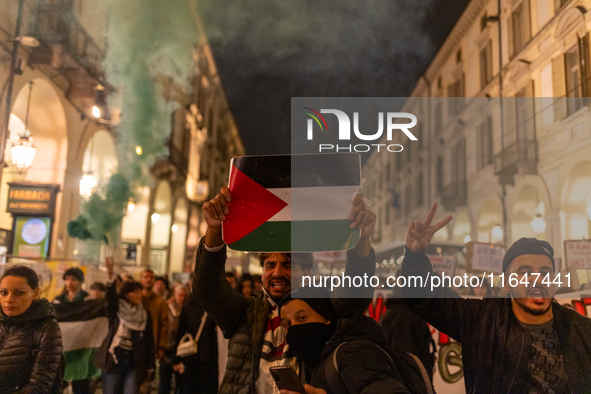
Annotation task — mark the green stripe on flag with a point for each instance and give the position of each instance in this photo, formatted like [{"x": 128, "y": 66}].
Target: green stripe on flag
[
  {"x": 299, "y": 236},
  {"x": 80, "y": 364}
]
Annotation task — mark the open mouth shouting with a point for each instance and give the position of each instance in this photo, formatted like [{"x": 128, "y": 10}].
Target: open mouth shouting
[
  {"x": 537, "y": 295},
  {"x": 279, "y": 285}
]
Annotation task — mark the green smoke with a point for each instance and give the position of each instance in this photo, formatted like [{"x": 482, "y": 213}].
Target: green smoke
[
  {"x": 102, "y": 214},
  {"x": 147, "y": 39}
]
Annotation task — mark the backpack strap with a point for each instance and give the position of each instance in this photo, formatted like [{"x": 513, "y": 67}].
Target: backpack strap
[
  {"x": 331, "y": 373},
  {"x": 424, "y": 374},
  {"x": 338, "y": 387},
  {"x": 203, "y": 319}
]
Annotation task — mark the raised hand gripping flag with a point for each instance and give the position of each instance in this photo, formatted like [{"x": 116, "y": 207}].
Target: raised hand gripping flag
[{"x": 292, "y": 203}]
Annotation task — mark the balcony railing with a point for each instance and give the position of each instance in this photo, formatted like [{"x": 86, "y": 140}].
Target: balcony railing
[
  {"x": 455, "y": 195},
  {"x": 522, "y": 154},
  {"x": 56, "y": 23}
]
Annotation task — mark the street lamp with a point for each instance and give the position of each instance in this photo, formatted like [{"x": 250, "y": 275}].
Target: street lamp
[
  {"x": 24, "y": 148},
  {"x": 155, "y": 218},
  {"x": 23, "y": 151},
  {"x": 497, "y": 234},
  {"x": 538, "y": 225},
  {"x": 100, "y": 109},
  {"x": 130, "y": 206},
  {"x": 87, "y": 185},
  {"x": 31, "y": 42}
]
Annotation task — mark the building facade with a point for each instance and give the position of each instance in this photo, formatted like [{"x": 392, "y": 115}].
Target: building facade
[
  {"x": 504, "y": 132},
  {"x": 58, "y": 102}
]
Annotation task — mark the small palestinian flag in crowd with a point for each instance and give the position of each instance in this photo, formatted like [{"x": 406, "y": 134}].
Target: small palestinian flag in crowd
[
  {"x": 84, "y": 326},
  {"x": 292, "y": 203}
]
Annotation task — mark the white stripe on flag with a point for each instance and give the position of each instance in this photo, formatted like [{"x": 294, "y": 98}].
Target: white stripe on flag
[
  {"x": 84, "y": 334},
  {"x": 315, "y": 203}
]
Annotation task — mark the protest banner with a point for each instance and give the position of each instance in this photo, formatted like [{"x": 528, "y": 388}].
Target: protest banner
[{"x": 484, "y": 257}]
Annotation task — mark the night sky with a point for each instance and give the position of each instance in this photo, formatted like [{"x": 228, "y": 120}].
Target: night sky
[{"x": 267, "y": 52}]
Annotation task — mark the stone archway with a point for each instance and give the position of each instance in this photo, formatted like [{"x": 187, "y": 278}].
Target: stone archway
[
  {"x": 528, "y": 200},
  {"x": 47, "y": 127},
  {"x": 100, "y": 157},
  {"x": 490, "y": 216},
  {"x": 161, "y": 221},
  {"x": 133, "y": 230},
  {"x": 178, "y": 244},
  {"x": 575, "y": 198},
  {"x": 462, "y": 226}
]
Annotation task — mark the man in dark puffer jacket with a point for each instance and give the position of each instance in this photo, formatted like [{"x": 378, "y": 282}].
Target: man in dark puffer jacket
[
  {"x": 248, "y": 322},
  {"x": 31, "y": 351}
]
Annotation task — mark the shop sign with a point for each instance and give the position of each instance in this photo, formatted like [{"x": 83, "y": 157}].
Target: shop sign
[
  {"x": 31, "y": 236},
  {"x": 31, "y": 199}
]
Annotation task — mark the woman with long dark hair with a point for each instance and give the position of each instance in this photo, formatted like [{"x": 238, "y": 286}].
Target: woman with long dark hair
[
  {"x": 31, "y": 359},
  {"x": 127, "y": 354}
]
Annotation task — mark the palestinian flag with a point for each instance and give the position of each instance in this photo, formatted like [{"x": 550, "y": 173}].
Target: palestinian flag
[
  {"x": 84, "y": 326},
  {"x": 292, "y": 203}
]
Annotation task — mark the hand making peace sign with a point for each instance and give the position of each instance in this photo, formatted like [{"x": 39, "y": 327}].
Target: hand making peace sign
[{"x": 419, "y": 234}]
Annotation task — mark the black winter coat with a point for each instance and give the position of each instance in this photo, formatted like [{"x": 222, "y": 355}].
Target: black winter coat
[
  {"x": 142, "y": 341},
  {"x": 201, "y": 369},
  {"x": 244, "y": 320},
  {"x": 407, "y": 332},
  {"x": 31, "y": 359},
  {"x": 362, "y": 369},
  {"x": 495, "y": 347}
]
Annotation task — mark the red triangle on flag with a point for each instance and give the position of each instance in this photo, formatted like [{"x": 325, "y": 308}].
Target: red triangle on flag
[{"x": 251, "y": 206}]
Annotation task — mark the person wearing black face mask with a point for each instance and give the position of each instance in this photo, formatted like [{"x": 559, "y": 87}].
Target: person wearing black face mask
[{"x": 313, "y": 335}]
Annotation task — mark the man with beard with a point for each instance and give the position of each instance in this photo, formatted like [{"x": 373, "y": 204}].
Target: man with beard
[
  {"x": 524, "y": 343},
  {"x": 257, "y": 339}
]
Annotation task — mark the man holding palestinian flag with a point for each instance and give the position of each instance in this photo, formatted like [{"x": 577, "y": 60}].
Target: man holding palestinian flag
[{"x": 277, "y": 205}]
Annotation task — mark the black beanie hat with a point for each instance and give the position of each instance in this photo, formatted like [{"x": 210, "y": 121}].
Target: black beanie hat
[
  {"x": 528, "y": 246},
  {"x": 317, "y": 298}
]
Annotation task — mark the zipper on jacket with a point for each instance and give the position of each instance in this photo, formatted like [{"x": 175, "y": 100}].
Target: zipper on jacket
[{"x": 518, "y": 362}]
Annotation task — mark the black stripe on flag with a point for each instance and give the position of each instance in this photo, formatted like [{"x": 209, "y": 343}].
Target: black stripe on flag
[
  {"x": 315, "y": 170},
  {"x": 80, "y": 311}
]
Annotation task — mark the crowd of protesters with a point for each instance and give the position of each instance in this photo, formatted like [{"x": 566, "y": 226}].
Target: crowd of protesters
[
  {"x": 525, "y": 342},
  {"x": 146, "y": 323}
]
